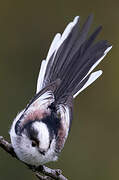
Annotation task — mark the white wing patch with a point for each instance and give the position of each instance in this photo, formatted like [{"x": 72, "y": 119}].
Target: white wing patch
[
  {"x": 55, "y": 45},
  {"x": 44, "y": 100}
]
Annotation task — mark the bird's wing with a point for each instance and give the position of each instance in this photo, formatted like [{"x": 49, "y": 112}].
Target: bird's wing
[
  {"x": 65, "y": 111},
  {"x": 45, "y": 93},
  {"x": 38, "y": 104}
]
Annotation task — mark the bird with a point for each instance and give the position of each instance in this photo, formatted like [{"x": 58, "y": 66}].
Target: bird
[{"x": 39, "y": 132}]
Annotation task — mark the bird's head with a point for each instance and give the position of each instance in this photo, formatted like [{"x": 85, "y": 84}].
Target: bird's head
[{"x": 38, "y": 135}]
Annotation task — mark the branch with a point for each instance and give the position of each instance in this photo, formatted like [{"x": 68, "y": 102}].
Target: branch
[{"x": 47, "y": 173}]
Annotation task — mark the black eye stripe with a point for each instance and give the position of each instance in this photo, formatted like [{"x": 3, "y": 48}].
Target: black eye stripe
[{"x": 31, "y": 132}]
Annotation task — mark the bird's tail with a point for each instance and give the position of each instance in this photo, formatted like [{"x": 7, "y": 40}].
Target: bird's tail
[{"x": 72, "y": 58}]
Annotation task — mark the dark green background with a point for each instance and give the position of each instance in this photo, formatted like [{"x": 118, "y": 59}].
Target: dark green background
[{"x": 26, "y": 31}]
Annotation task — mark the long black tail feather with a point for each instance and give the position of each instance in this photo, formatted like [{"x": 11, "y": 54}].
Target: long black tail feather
[{"x": 74, "y": 58}]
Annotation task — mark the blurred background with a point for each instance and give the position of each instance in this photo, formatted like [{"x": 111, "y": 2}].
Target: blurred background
[{"x": 27, "y": 28}]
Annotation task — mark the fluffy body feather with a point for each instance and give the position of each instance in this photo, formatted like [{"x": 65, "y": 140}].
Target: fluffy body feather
[{"x": 39, "y": 132}]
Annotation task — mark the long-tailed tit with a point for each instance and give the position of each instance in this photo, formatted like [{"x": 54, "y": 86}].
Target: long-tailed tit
[{"x": 39, "y": 132}]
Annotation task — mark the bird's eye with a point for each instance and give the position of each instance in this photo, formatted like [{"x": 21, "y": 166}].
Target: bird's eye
[{"x": 34, "y": 144}]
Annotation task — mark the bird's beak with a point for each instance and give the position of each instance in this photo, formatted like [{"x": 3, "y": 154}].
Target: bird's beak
[{"x": 42, "y": 151}]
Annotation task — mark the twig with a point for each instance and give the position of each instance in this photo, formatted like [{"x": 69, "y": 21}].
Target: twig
[
  {"x": 43, "y": 177},
  {"x": 47, "y": 173}
]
